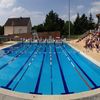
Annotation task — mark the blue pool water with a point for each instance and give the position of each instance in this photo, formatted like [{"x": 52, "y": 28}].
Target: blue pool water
[{"x": 48, "y": 69}]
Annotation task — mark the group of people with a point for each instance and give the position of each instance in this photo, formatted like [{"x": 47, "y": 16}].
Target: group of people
[{"x": 93, "y": 41}]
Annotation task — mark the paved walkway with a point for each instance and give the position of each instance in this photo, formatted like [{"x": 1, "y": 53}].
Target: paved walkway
[
  {"x": 7, "y": 44},
  {"x": 80, "y": 45}
]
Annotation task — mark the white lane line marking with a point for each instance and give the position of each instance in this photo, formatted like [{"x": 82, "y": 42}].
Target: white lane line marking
[
  {"x": 68, "y": 58},
  {"x": 50, "y": 63},
  {"x": 32, "y": 59},
  {"x": 72, "y": 64},
  {"x": 64, "y": 51},
  {"x": 66, "y": 55},
  {"x": 50, "y": 56},
  {"x": 29, "y": 63}
]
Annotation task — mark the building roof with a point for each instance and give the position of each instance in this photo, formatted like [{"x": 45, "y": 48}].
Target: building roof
[{"x": 22, "y": 21}]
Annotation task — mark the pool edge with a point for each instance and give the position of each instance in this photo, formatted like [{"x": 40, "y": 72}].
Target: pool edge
[
  {"x": 82, "y": 53},
  {"x": 8, "y": 46},
  {"x": 12, "y": 95}
]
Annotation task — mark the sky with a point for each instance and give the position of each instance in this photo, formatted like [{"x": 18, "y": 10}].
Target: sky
[{"x": 37, "y": 9}]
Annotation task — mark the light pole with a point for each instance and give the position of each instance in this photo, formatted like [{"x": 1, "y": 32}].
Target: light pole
[{"x": 69, "y": 18}]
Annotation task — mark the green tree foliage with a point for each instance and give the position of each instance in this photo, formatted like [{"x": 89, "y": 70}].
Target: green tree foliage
[
  {"x": 91, "y": 24},
  {"x": 39, "y": 28},
  {"x": 83, "y": 24},
  {"x": 66, "y": 28},
  {"x": 1, "y": 30},
  {"x": 53, "y": 22},
  {"x": 80, "y": 24},
  {"x": 77, "y": 28}
]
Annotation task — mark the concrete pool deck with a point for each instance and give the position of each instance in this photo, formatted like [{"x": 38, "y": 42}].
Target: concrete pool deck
[
  {"x": 89, "y": 95},
  {"x": 80, "y": 46},
  {"x": 11, "y": 95},
  {"x": 7, "y": 44}
]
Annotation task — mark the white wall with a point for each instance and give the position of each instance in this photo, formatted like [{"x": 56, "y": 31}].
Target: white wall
[
  {"x": 29, "y": 28},
  {"x": 8, "y": 30},
  {"x": 20, "y": 29},
  {"x": 16, "y": 29}
]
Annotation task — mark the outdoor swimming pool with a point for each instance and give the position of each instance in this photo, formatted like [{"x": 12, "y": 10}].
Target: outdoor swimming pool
[{"x": 47, "y": 69}]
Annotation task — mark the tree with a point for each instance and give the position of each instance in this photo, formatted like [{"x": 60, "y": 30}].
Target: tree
[
  {"x": 53, "y": 22},
  {"x": 1, "y": 30},
  {"x": 91, "y": 24},
  {"x": 81, "y": 24},
  {"x": 77, "y": 27},
  {"x": 66, "y": 28},
  {"x": 39, "y": 28},
  {"x": 60, "y": 24}
]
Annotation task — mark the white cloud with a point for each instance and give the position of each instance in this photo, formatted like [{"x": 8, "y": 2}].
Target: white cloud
[
  {"x": 73, "y": 17},
  {"x": 96, "y": 3},
  {"x": 95, "y": 7},
  {"x": 7, "y": 10},
  {"x": 37, "y": 17},
  {"x": 66, "y": 17},
  {"x": 80, "y": 7},
  {"x": 6, "y": 3},
  {"x": 18, "y": 9}
]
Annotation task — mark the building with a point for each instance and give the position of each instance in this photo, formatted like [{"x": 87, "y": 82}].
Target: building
[{"x": 17, "y": 26}]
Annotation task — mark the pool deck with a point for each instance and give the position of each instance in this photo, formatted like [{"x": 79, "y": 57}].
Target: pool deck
[
  {"x": 10, "y": 95},
  {"x": 7, "y": 44},
  {"x": 89, "y": 95},
  {"x": 80, "y": 46}
]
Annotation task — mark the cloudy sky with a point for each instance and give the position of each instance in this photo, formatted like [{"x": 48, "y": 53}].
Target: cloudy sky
[{"x": 37, "y": 9}]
